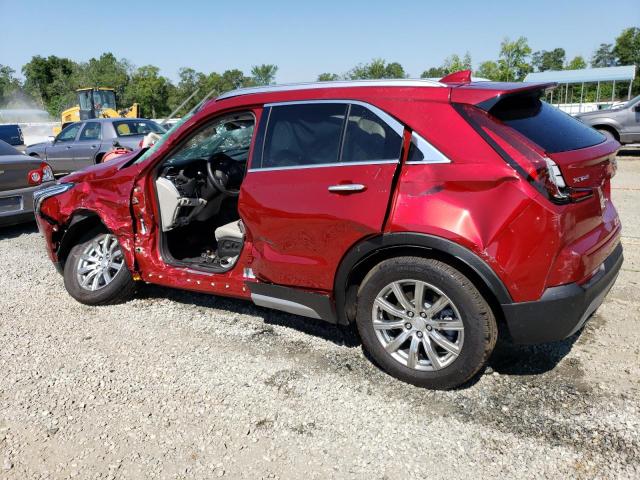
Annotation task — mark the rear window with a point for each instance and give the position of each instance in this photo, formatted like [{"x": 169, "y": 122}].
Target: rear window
[
  {"x": 547, "y": 126},
  {"x": 126, "y": 128},
  {"x": 368, "y": 138}
]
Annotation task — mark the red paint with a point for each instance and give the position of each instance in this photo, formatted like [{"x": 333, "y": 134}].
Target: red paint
[
  {"x": 298, "y": 232},
  {"x": 463, "y": 76}
]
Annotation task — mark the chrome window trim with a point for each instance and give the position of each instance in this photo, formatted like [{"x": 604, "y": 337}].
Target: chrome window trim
[
  {"x": 337, "y": 84},
  {"x": 323, "y": 165},
  {"x": 395, "y": 125},
  {"x": 430, "y": 153}
]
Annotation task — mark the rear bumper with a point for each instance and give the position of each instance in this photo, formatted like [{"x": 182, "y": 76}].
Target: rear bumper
[
  {"x": 25, "y": 211},
  {"x": 562, "y": 310}
]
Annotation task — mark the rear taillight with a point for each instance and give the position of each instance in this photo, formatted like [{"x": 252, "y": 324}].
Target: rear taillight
[
  {"x": 525, "y": 157},
  {"x": 34, "y": 177},
  {"x": 47, "y": 172},
  {"x": 40, "y": 174}
]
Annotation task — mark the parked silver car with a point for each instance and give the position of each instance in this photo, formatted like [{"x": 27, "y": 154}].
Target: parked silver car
[
  {"x": 621, "y": 123},
  {"x": 20, "y": 177},
  {"x": 84, "y": 143}
]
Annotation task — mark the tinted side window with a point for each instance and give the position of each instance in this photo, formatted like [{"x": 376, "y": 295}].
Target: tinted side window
[
  {"x": 304, "y": 134},
  {"x": 136, "y": 127},
  {"x": 368, "y": 138},
  {"x": 69, "y": 133},
  {"x": 552, "y": 129},
  {"x": 91, "y": 131}
]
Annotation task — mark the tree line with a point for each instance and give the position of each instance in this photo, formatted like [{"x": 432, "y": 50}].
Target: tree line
[{"x": 51, "y": 81}]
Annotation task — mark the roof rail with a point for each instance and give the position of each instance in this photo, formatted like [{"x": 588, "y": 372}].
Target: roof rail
[{"x": 333, "y": 84}]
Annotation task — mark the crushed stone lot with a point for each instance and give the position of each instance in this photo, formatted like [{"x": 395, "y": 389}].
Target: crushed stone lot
[{"x": 180, "y": 385}]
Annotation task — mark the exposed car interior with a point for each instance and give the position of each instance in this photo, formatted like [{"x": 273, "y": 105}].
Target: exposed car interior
[{"x": 197, "y": 189}]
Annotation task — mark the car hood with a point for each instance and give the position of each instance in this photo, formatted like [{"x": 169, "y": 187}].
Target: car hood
[
  {"x": 598, "y": 113},
  {"x": 102, "y": 171}
]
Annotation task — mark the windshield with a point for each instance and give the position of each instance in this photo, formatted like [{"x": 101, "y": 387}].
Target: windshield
[
  {"x": 229, "y": 135},
  {"x": 164, "y": 138},
  {"x": 103, "y": 99},
  {"x": 632, "y": 102}
]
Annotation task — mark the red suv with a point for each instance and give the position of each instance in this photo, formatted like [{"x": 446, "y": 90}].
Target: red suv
[{"x": 431, "y": 214}]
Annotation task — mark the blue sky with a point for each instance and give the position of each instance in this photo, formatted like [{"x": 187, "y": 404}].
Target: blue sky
[{"x": 302, "y": 38}]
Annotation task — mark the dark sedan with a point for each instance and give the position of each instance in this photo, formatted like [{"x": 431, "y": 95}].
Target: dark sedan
[
  {"x": 20, "y": 176},
  {"x": 84, "y": 143}
]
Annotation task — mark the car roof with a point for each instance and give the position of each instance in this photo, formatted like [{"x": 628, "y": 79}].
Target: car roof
[
  {"x": 117, "y": 119},
  {"x": 472, "y": 92},
  {"x": 290, "y": 87}
]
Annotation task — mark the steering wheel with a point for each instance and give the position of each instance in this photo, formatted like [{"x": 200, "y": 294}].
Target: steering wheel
[{"x": 219, "y": 168}]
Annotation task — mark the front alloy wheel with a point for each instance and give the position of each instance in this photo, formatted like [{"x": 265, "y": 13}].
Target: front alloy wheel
[
  {"x": 95, "y": 272},
  {"x": 99, "y": 263}
]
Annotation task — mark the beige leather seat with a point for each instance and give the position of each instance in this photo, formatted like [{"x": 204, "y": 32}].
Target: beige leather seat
[{"x": 234, "y": 230}]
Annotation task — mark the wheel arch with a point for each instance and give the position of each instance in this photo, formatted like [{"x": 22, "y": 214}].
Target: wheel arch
[
  {"x": 362, "y": 257},
  {"x": 608, "y": 127},
  {"x": 82, "y": 224}
]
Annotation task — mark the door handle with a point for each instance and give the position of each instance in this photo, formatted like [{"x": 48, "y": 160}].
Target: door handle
[
  {"x": 68, "y": 147},
  {"x": 347, "y": 188}
]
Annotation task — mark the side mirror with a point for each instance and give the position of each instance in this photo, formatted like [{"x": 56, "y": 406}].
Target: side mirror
[
  {"x": 637, "y": 107},
  {"x": 51, "y": 139}
]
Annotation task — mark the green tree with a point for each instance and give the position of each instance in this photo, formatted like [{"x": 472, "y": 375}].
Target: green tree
[
  {"x": 378, "y": 68},
  {"x": 50, "y": 81},
  {"x": 544, "y": 60},
  {"x": 603, "y": 56},
  {"x": 264, "y": 74},
  {"x": 489, "y": 70},
  {"x": 577, "y": 63},
  {"x": 189, "y": 82},
  {"x": 434, "y": 72},
  {"x": 328, "y": 77},
  {"x": 512, "y": 60},
  {"x": 151, "y": 90},
  {"x": 106, "y": 71},
  {"x": 627, "y": 51},
  {"x": 627, "y": 47},
  {"x": 453, "y": 63},
  {"x": 9, "y": 84}
]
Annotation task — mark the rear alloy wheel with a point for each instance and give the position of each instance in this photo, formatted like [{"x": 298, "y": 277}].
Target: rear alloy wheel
[
  {"x": 424, "y": 322},
  {"x": 96, "y": 273},
  {"x": 424, "y": 333}
]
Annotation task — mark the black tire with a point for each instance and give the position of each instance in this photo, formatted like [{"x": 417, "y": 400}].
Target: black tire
[
  {"x": 480, "y": 329},
  {"x": 120, "y": 289}
]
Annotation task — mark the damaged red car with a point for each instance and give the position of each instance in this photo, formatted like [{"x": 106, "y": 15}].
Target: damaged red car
[{"x": 430, "y": 214}]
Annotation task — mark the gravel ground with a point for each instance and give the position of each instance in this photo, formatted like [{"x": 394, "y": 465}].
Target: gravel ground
[{"x": 180, "y": 385}]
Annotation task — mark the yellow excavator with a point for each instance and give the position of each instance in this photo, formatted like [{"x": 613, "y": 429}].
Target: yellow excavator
[{"x": 98, "y": 102}]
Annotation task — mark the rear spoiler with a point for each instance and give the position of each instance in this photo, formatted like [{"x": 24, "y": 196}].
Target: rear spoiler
[{"x": 486, "y": 94}]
